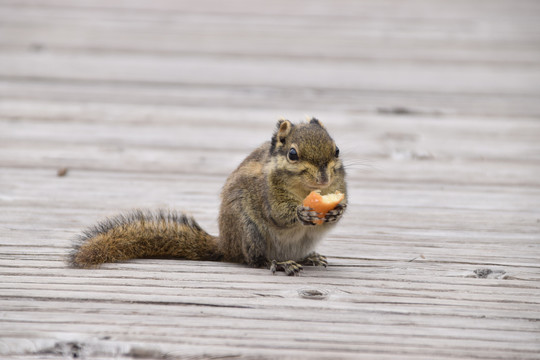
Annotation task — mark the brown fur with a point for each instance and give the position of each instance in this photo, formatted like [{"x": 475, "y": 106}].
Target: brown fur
[
  {"x": 258, "y": 219},
  {"x": 143, "y": 234}
]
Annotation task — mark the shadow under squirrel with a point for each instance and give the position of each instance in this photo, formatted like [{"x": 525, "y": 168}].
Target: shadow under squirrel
[{"x": 262, "y": 221}]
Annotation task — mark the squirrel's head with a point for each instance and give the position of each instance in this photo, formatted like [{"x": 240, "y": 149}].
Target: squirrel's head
[{"x": 305, "y": 154}]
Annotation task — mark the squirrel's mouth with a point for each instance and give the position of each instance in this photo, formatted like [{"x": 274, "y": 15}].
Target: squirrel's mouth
[{"x": 319, "y": 186}]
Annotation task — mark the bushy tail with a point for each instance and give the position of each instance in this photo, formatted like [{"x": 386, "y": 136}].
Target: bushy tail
[{"x": 144, "y": 234}]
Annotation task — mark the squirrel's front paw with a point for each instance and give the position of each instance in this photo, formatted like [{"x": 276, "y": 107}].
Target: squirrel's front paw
[
  {"x": 334, "y": 215},
  {"x": 307, "y": 215},
  {"x": 290, "y": 267}
]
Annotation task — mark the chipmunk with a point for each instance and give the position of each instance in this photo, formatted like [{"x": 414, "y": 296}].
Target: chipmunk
[{"x": 262, "y": 222}]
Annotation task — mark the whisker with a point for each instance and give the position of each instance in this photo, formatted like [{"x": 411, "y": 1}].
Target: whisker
[{"x": 359, "y": 164}]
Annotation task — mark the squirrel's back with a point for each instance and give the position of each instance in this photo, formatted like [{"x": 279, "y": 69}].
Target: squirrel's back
[{"x": 144, "y": 234}]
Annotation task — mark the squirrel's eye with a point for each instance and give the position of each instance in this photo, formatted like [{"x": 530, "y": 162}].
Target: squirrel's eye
[
  {"x": 337, "y": 152},
  {"x": 292, "y": 155}
]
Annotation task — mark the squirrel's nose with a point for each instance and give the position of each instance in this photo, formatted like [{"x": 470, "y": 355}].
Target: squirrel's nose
[{"x": 322, "y": 178}]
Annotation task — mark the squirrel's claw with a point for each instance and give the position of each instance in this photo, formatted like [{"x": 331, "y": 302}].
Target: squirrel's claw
[
  {"x": 307, "y": 215},
  {"x": 290, "y": 267},
  {"x": 334, "y": 215}
]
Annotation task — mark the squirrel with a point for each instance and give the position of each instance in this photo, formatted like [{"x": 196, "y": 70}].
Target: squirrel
[{"x": 262, "y": 222}]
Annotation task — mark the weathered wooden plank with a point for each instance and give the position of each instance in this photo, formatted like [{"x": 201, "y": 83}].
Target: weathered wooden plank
[
  {"x": 520, "y": 302},
  {"x": 252, "y": 72},
  {"x": 278, "y": 99},
  {"x": 423, "y": 319},
  {"x": 152, "y": 104},
  {"x": 120, "y": 30}
]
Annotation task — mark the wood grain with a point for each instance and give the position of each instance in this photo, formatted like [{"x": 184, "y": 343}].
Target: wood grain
[{"x": 143, "y": 104}]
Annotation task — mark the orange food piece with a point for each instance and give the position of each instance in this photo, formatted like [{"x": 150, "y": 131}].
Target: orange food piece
[{"x": 322, "y": 203}]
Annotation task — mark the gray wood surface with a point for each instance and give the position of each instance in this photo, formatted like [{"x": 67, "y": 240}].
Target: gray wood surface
[{"x": 434, "y": 104}]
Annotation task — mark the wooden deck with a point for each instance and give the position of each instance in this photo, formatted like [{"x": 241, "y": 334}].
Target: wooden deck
[{"x": 434, "y": 104}]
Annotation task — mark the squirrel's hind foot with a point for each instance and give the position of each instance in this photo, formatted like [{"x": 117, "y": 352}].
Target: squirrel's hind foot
[
  {"x": 290, "y": 267},
  {"x": 315, "y": 259}
]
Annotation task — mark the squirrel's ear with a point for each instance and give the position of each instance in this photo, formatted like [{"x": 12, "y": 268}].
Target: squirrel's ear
[
  {"x": 284, "y": 128},
  {"x": 316, "y": 121}
]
